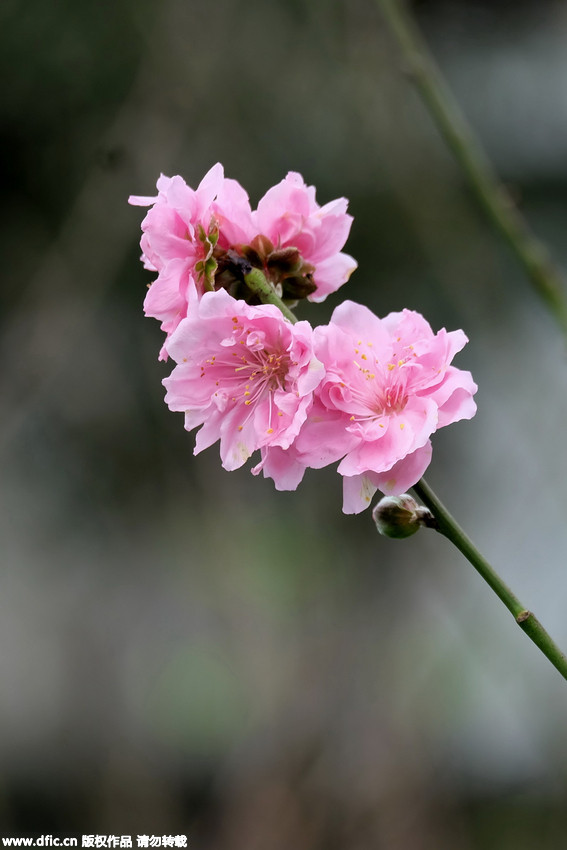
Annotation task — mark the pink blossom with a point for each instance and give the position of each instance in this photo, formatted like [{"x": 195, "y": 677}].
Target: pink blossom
[
  {"x": 289, "y": 216},
  {"x": 388, "y": 386},
  {"x": 245, "y": 376},
  {"x": 180, "y": 232}
]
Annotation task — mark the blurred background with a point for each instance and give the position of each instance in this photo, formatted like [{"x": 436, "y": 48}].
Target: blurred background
[{"x": 184, "y": 650}]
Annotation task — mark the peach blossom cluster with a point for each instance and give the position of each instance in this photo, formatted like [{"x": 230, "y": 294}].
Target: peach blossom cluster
[{"x": 362, "y": 391}]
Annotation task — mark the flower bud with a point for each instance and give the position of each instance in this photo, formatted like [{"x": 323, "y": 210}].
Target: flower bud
[{"x": 400, "y": 516}]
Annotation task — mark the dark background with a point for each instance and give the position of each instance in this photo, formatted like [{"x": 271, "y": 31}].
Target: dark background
[{"x": 184, "y": 650}]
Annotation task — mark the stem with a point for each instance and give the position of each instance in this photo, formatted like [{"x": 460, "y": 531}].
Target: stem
[
  {"x": 492, "y": 196},
  {"x": 527, "y": 621},
  {"x": 257, "y": 282}
]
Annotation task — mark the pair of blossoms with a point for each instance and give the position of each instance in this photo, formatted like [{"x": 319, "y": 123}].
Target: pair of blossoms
[{"x": 365, "y": 391}]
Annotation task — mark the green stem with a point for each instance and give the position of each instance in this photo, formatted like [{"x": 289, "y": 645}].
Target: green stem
[
  {"x": 257, "y": 282},
  {"x": 527, "y": 621},
  {"x": 489, "y": 191}
]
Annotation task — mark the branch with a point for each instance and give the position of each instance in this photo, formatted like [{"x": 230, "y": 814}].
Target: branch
[
  {"x": 527, "y": 621},
  {"x": 492, "y": 196}
]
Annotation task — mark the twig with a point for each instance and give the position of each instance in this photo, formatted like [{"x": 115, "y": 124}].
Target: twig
[
  {"x": 492, "y": 196},
  {"x": 526, "y": 620}
]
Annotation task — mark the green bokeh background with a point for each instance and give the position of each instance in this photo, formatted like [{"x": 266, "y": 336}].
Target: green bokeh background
[{"x": 184, "y": 650}]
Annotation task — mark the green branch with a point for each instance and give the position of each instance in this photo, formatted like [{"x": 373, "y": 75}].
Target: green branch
[
  {"x": 256, "y": 281},
  {"x": 527, "y": 621},
  {"x": 489, "y": 191}
]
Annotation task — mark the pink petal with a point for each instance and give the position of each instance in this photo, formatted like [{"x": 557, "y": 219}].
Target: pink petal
[
  {"x": 330, "y": 274},
  {"x": 282, "y": 466}
]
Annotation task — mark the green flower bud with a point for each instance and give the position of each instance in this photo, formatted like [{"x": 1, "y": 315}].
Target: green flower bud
[{"x": 400, "y": 516}]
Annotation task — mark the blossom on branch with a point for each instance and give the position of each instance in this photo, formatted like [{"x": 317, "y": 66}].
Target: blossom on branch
[
  {"x": 180, "y": 233},
  {"x": 365, "y": 391},
  {"x": 388, "y": 386},
  {"x": 246, "y": 375},
  {"x": 289, "y": 216}
]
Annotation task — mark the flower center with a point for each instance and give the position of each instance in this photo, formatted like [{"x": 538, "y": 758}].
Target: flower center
[
  {"x": 382, "y": 390},
  {"x": 258, "y": 370},
  {"x": 247, "y": 371},
  {"x": 391, "y": 398}
]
